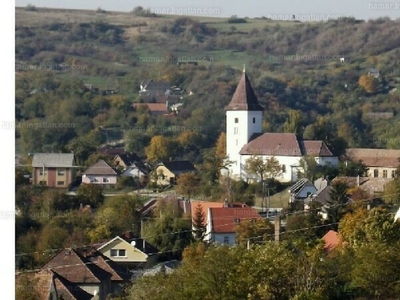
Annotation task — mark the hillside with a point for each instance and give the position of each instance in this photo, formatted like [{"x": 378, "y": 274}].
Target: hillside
[{"x": 294, "y": 67}]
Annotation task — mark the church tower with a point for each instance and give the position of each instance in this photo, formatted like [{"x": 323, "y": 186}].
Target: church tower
[{"x": 243, "y": 119}]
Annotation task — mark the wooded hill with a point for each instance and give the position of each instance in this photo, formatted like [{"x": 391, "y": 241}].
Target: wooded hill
[{"x": 311, "y": 77}]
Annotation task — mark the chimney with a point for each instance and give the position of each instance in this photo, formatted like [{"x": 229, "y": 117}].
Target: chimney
[
  {"x": 277, "y": 228},
  {"x": 226, "y": 203},
  {"x": 144, "y": 245}
]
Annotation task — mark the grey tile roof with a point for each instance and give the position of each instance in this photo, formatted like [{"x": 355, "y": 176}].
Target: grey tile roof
[
  {"x": 54, "y": 160},
  {"x": 100, "y": 168}
]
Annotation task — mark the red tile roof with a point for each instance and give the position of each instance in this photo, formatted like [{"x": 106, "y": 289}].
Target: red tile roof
[
  {"x": 375, "y": 157},
  {"x": 153, "y": 107},
  {"x": 331, "y": 239},
  {"x": 244, "y": 97},
  {"x": 205, "y": 205},
  {"x": 316, "y": 148},
  {"x": 277, "y": 144},
  {"x": 224, "y": 219}
]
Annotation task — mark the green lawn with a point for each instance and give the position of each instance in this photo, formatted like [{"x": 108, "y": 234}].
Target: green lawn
[{"x": 275, "y": 201}]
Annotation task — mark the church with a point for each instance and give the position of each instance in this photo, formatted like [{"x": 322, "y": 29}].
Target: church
[{"x": 244, "y": 139}]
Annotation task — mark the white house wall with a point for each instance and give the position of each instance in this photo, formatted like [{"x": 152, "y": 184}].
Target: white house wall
[
  {"x": 323, "y": 161},
  {"x": 219, "y": 238},
  {"x": 288, "y": 161},
  {"x": 99, "y": 179},
  {"x": 238, "y": 134},
  {"x": 132, "y": 172}
]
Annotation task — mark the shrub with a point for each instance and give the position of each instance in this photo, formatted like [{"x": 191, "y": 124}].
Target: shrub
[{"x": 30, "y": 7}]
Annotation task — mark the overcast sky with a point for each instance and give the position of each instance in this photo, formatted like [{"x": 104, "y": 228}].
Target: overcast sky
[{"x": 361, "y": 9}]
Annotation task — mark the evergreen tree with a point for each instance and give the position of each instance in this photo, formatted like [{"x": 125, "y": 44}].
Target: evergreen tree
[{"x": 199, "y": 226}]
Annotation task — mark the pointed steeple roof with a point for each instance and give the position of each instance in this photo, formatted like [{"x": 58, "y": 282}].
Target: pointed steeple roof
[{"x": 244, "y": 97}]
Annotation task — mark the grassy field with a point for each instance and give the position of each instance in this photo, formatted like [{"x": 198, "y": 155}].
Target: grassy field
[{"x": 275, "y": 201}]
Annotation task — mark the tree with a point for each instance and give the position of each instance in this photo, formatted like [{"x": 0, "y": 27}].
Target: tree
[
  {"x": 293, "y": 124},
  {"x": 338, "y": 202},
  {"x": 376, "y": 270},
  {"x": 27, "y": 287},
  {"x": 160, "y": 148},
  {"x": 169, "y": 234},
  {"x": 198, "y": 223},
  {"x": 391, "y": 194},
  {"x": 305, "y": 227},
  {"x": 187, "y": 184},
  {"x": 220, "y": 146},
  {"x": 116, "y": 215},
  {"x": 254, "y": 231},
  {"x": 308, "y": 168},
  {"x": 262, "y": 169},
  {"x": 350, "y": 168},
  {"x": 369, "y": 83},
  {"x": 189, "y": 140},
  {"x": 326, "y": 131},
  {"x": 91, "y": 194},
  {"x": 363, "y": 227}
]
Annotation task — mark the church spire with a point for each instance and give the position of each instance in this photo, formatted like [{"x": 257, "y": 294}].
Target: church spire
[{"x": 244, "y": 97}]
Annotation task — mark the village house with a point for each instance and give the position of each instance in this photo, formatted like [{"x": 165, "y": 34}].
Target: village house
[
  {"x": 168, "y": 171},
  {"x": 78, "y": 274},
  {"x": 55, "y": 170},
  {"x": 221, "y": 222},
  {"x": 155, "y": 109},
  {"x": 129, "y": 252},
  {"x": 381, "y": 163},
  {"x": 301, "y": 190},
  {"x": 154, "y": 88},
  {"x": 244, "y": 139},
  {"x": 132, "y": 166},
  {"x": 100, "y": 173}
]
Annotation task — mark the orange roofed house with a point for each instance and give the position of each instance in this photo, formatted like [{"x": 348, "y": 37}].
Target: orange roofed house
[{"x": 221, "y": 222}]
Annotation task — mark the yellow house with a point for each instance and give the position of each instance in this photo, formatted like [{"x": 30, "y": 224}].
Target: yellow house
[
  {"x": 167, "y": 172},
  {"x": 130, "y": 252},
  {"x": 381, "y": 163}
]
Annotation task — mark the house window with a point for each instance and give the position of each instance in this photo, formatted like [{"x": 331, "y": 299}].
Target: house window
[
  {"x": 41, "y": 172},
  {"x": 236, "y": 120},
  {"x": 105, "y": 180},
  {"x": 376, "y": 173},
  {"x": 60, "y": 182},
  {"x": 385, "y": 174},
  {"x": 254, "y": 120},
  {"x": 283, "y": 168},
  {"x": 226, "y": 239},
  {"x": 237, "y": 221},
  {"x": 236, "y": 130},
  {"x": 118, "y": 253},
  {"x": 393, "y": 173},
  {"x": 61, "y": 172}
]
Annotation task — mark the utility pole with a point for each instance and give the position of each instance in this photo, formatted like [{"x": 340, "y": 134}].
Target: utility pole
[
  {"x": 268, "y": 202},
  {"x": 263, "y": 196}
]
